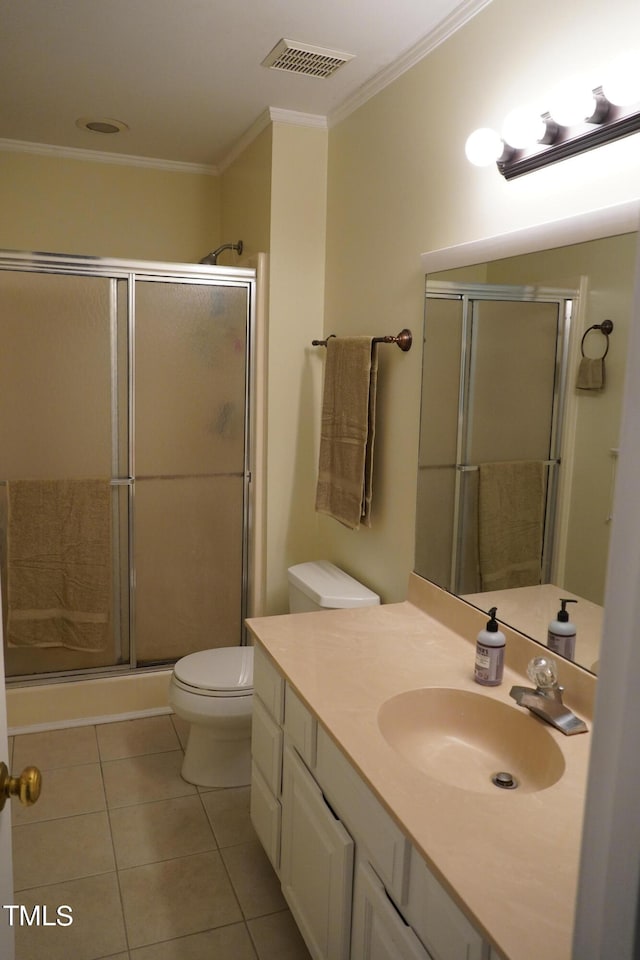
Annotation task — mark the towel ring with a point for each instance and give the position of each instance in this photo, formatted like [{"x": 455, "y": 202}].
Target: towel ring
[{"x": 605, "y": 328}]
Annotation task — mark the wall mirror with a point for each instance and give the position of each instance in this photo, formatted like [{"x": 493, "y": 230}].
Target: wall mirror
[{"x": 506, "y": 431}]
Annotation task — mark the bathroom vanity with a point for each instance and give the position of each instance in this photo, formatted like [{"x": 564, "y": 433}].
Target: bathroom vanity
[{"x": 388, "y": 848}]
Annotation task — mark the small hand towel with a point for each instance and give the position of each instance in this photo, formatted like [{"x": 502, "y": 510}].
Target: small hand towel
[
  {"x": 591, "y": 374},
  {"x": 59, "y": 563},
  {"x": 347, "y": 431},
  {"x": 511, "y": 523}
]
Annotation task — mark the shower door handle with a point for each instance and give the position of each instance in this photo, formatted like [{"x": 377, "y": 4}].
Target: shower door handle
[{"x": 26, "y": 787}]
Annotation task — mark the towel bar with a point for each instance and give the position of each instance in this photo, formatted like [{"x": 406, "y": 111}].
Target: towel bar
[
  {"x": 605, "y": 328},
  {"x": 404, "y": 340}
]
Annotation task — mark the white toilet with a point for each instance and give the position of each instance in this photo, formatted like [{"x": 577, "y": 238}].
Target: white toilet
[{"x": 213, "y": 689}]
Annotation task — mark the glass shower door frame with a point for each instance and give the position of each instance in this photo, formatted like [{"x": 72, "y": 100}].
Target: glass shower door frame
[
  {"x": 128, "y": 272},
  {"x": 468, "y": 294}
]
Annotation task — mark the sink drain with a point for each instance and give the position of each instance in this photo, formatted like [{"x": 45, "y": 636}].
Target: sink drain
[{"x": 504, "y": 780}]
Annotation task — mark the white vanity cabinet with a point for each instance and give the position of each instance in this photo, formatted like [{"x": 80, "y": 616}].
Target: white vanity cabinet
[{"x": 356, "y": 887}]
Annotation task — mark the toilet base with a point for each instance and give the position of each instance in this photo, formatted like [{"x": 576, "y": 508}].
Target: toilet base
[{"x": 212, "y": 762}]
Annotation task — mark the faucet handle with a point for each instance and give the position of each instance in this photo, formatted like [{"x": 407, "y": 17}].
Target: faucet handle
[{"x": 543, "y": 671}]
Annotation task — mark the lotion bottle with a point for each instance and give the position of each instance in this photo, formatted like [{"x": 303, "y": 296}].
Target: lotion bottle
[
  {"x": 561, "y": 636},
  {"x": 490, "y": 645}
]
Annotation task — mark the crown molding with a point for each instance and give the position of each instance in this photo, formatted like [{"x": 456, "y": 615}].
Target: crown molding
[
  {"x": 450, "y": 25},
  {"x": 268, "y": 116},
  {"x": 98, "y": 156},
  {"x": 298, "y": 119}
]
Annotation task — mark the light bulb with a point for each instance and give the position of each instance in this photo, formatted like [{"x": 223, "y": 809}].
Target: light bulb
[
  {"x": 523, "y": 127},
  {"x": 621, "y": 80},
  {"x": 572, "y": 102},
  {"x": 483, "y": 147}
]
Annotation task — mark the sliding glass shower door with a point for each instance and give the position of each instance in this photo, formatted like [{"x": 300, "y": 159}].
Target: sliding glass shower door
[
  {"x": 493, "y": 389},
  {"x": 132, "y": 380},
  {"x": 189, "y": 435}
]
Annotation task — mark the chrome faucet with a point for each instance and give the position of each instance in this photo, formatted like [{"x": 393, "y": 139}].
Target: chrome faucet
[{"x": 546, "y": 700}]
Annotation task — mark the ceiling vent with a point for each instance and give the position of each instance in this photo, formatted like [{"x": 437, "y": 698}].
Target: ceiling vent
[{"x": 303, "y": 58}]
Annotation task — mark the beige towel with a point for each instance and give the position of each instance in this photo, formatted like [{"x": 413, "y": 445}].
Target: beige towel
[
  {"x": 591, "y": 374},
  {"x": 347, "y": 431},
  {"x": 511, "y": 523},
  {"x": 59, "y": 563}
]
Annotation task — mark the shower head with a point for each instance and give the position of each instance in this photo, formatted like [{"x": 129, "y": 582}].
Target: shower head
[{"x": 212, "y": 258}]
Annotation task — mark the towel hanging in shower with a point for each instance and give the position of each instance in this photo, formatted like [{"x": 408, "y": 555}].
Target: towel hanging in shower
[
  {"x": 347, "y": 430},
  {"x": 511, "y": 507},
  {"x": 59, "y": 563}
]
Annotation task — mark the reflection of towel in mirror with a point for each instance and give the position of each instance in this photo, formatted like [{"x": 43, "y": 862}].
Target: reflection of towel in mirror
[
  {"x": 59, "y": 563},
  {"x": 510, "y": 523},
  {"x": 591, "y": 374},
  {"x": 347, "y": 430}
]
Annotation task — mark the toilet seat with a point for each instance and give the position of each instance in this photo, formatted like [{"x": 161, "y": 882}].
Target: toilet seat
[{"x": 221, "y": 672}]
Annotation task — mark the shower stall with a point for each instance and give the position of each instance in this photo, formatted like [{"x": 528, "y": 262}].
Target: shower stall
[
  {"x": 494, "y": 380},
  {"x": 125, "y": 474}
]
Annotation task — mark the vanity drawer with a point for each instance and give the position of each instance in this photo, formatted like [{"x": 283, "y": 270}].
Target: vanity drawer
[
  {"x": 266, "y": 746},
  {"x": 371, "y": 826},
  {"x": 438, "y": 921},
  {"x": 300, "y": 726},
  {"x": 266, "y": 816},
  {"x": 268, "y": 684}
]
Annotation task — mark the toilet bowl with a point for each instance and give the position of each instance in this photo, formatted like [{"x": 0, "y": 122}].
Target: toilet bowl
[{"x": 213, "y": 689}]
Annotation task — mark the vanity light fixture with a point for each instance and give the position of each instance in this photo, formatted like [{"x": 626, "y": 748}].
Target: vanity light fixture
[{"x": 577, "y": 118}]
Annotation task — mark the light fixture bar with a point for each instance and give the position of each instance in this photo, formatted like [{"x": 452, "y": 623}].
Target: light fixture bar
[{"x": 609, "y": 122}]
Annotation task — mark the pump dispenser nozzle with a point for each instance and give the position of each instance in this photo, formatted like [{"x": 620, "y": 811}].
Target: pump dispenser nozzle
[
  {"x": 563, "y": 614},
  {"x": 492, "y": 625}
]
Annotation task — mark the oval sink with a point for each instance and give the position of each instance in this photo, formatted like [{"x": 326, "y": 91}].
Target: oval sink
[{"x": 463, "y": 739}]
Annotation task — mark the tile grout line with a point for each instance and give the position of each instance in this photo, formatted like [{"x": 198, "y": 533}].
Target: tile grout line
[
  {"x": 115, "y": 858},
  {"x": 209, "y": 820}
]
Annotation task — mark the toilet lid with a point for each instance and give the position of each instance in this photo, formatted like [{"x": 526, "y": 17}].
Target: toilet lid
[{"x": 225, "y": 669}]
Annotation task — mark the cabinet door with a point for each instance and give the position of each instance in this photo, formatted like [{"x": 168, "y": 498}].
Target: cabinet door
[
  {"x": 316, "y": 867},
  {"x": 379, "y": 932}
]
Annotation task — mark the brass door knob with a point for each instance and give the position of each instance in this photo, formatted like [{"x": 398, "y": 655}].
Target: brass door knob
[{"x": 26, "y": 787}]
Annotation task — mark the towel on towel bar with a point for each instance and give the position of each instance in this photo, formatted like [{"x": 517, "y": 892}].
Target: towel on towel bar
[
  {"x": 511, "y": 512},
  {"x": 59, "y": 563},
  {"x": 347, "y": 430}
]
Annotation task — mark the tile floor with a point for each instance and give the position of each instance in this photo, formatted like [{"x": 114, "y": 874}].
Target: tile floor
[{"x": 152, "y": 867}]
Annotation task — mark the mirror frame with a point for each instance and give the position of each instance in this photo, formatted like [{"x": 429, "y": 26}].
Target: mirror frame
[{"x": 592, "y": 225}]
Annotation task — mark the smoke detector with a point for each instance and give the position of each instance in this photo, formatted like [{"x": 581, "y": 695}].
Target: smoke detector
[{"x": 304, "y": 58}]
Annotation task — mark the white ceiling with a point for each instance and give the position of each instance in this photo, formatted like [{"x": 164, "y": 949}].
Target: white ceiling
[{"x": 186, "y": 75}]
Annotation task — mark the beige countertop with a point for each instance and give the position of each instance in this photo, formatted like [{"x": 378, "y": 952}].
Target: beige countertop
[{"x": 509, "y": 858}]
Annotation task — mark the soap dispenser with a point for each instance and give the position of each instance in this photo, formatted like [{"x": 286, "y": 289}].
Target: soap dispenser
[
  {"x": 490, "y": 645},
  {"x": 561, "y": 636}
]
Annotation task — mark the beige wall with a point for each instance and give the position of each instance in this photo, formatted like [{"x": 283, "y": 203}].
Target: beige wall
[
  {"x": 274, "y": 197},
  {"x": 399, "y": 185},
  {"x": 245, "y": 196},
  {"x": 66, "y": 205},
  {"x": 296, "y": 299}
]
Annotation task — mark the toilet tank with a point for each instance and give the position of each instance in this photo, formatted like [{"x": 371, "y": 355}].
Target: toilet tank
[{"x": 319, "y": 585}]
